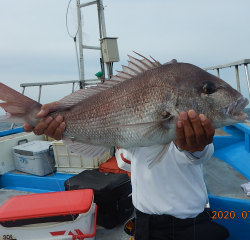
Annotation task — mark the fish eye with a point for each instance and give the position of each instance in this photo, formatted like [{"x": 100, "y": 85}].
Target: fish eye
[{"x": 208, "y": 87}]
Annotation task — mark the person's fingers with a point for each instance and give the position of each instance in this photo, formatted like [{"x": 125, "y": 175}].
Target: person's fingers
[
  {"x": 59, "y": 131},
  {"x": 42, "y": 126},
  {"x": 208, "y": 128},
  {"x": 189, "y": 132},
  {"x": 27, "y": 127},
  {"x": 198, "y": 130},
  {"x": 180, "y": 141},
  {"x": 50, "y": 130},
  {"x": 45, "y": 109}
]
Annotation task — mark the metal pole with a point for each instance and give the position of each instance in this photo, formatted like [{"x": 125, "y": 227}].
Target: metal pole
[
  {"x": 23, "y": 90},
  {"x": 237, "y": 77},
  {"x": 39, "y": 95},
  {"x": 77, "y": 59},
  {"x": 101, "y": 35},
  {"x": 73, "y": 87},
  {"x": 218, "y": 72},
  {"x": 91, "y": 47},
  {"x": 87, "y": 4},
  {"x": 99, "y": 18},
  {"x": 247, "y": 77},
  {"x": 103, "y": 26},
  {"x": 82, "y": 84},
  {"x": 104, "y": 34}
]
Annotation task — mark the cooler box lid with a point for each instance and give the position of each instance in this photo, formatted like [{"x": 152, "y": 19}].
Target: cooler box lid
[
  {"x": 100, "y": 182},
  {"x": 46, "y": 204},
  {"x": 32, "y": 148}
]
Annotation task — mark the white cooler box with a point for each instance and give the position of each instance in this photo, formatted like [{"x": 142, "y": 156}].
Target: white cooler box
[
  {"x": 33, "y": 157},
  {"x": 50, "y": 216}
]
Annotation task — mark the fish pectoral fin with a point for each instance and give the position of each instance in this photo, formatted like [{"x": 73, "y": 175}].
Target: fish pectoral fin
[
  {"x": 84, "y": 149},
  {"x": 156, "y": 153}
]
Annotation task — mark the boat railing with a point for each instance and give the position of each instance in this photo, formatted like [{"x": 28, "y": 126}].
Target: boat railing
[
  {"x": 87, "y": 82},
  {"x": 236, "y": 64}
]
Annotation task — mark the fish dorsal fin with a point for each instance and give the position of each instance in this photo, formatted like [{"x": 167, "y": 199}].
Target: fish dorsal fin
[
  {"x": 72, "y": 99},
  {"x": 134, "y": 68},
  {"x": 77, "y": 96}
]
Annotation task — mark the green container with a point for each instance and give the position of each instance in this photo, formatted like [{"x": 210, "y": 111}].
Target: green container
[{"x": 99, "y": 74}]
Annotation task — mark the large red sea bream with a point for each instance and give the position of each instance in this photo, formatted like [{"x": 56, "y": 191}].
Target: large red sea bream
[{"x": 138, "y": 107}]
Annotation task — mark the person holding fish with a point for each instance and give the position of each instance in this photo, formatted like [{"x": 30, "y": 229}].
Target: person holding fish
[
  {"x": 169, "y": 197},
  {"x": 164, "y": 116}
]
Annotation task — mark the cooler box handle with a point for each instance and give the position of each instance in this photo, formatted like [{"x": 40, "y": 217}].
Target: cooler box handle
[
  {"x": 83, "y": 236},
  {"x": 23, "y": 140},
  {"x": 51, "y": 151}
]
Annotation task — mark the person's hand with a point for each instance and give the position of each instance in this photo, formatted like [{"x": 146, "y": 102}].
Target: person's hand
[
  {"x": 194, "y": 132},
  {"x": 48, "y": 126}
]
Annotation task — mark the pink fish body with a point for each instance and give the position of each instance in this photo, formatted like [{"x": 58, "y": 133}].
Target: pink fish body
[{"x": 138, "y": 107}]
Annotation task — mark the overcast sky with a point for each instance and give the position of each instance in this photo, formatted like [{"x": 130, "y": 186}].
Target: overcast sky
[{"x": 35, "y": 45}]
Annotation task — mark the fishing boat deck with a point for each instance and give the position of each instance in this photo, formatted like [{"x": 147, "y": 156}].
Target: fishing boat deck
[
  {"x": 221, "y": 132},
  {"x": 6, "y": 194},
  {"x": 222, "y": 180}
]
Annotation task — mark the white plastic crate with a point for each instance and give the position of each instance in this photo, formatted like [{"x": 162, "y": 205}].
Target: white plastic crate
[{"x": 67, "y": 161}]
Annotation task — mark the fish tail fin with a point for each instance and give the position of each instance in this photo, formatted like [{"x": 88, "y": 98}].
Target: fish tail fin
[{"x": 19, "y": 108}]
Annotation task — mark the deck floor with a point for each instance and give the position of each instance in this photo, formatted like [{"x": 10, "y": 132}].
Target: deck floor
[
  {"x": 222, "y": 180},
  {"x": 6, "y": 194}
]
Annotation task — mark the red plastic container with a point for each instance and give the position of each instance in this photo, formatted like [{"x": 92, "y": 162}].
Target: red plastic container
[{"x": 49, "y": 214}]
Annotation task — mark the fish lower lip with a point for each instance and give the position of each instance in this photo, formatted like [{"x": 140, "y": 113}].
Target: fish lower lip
[
  {"x": 235, "y": 110},
  {"x": 240, "y": 116},
  {"x": 241, "y": 104}
]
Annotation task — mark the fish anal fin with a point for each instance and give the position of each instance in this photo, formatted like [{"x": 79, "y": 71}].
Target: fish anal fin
[{"x": 83, "y": 149}]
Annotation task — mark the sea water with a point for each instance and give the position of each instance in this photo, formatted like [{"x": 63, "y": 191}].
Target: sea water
[{"x": 7, "y": 126}]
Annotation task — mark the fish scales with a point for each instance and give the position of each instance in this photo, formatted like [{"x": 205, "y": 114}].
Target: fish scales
[
  {"x": 130, "y": 102},
  {"x": 140, "y": 106}
]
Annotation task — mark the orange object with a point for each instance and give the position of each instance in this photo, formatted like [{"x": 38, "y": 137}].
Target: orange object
[
  {"x": 111, "y": 166},
  {"x": 46, "y": 204}
]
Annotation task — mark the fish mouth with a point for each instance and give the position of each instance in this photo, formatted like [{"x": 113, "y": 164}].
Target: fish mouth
[{"x": 234, "y": 110}]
